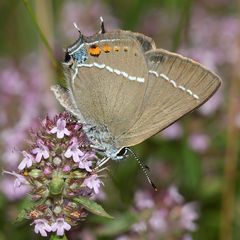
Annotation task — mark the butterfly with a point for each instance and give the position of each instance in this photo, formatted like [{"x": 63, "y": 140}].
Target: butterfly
[{"x": 125, "y": 90}]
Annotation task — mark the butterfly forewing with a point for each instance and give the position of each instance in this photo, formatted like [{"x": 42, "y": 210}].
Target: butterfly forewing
[
  {"x": 109, "y": 88},
  {"x": 176, "y": 86},
  {"x": 146, "y": 42}
]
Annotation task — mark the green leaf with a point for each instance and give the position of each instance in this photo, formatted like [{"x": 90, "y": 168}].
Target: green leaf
[
  {"x": 26, "y": 206},
  {"x": 92, "y": 206},
  {"x": 55, "y": 237},
  {"x": 22, "y": 216}
]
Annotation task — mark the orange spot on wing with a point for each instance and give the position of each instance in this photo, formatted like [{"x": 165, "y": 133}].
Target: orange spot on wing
[
  {"x": 116, "y": 48},
  {"x": 107, "y": 48},
  {"x": 94, "y": 51}
]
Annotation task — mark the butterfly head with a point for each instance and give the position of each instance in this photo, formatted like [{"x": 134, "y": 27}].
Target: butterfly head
[
  {"x": 120, "y": 154},
  {"x": 77, "y": 52}
]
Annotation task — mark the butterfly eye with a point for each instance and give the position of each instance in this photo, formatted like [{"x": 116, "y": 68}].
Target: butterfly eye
[
  {"x": 67, "y": 57},
  {"x": 122, "y": 152}
]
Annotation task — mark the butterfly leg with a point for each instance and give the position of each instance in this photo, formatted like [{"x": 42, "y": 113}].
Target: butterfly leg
[
  {"x": 103, "y": 161},
  {"x": 97, "y": 148}
]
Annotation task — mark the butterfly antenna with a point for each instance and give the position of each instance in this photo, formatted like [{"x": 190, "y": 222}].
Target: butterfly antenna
[
  {"x": 76, "y": 26},
  {"x": 102, "y": 26},
  {"x": 143, "y": 167}
]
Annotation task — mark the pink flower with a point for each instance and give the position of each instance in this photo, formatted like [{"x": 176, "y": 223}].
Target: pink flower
[
  {"x": 60, "y": 225},
  {"x": 26, "y": 162},
  {"x": 19, "y": 181},
  {"x": 143, "y": 200},
  {"x": 10, "y": 158},
  {"x": 212, "y": 105},
  {"x": 66, "y": 168},
  {"x": 85, "y": 161},
  {"x": 85, "y": 165},
  {"x": 139, "y": 227},
  {"x": 173, "y": 196},
  {"x": 73, "y": 151},
  {"x": 12, "y": 193},
  {"x": 123, "y": 237},
  {"x": 188, "y": 216},
  {"x": 60, "y": 129},
  {"x": 199, "y": 142},
  {"x": 42, "y": 226},
  {"x": 47, "y": 171},
  {"x": 158, "y": 221},
  {"x": 40, "y": 151},
  {"x": 93, "y": 182},
  {"x": 187, "y": 237},
  {"x": 174, "y": 131}
]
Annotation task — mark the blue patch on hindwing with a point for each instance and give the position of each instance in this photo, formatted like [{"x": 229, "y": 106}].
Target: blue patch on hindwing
[{"x": 80, "y": 56}]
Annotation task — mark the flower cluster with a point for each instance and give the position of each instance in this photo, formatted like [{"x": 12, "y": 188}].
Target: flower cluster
[
  {"x": 164, "y": 216},
  {"x": 59, "y": 167}
]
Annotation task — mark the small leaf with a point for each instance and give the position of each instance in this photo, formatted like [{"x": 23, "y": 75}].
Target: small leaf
[
  {"x": 22, "y": 216},
  {"x": 27, "y": 206},
  {"x": 92, "y": 207}
]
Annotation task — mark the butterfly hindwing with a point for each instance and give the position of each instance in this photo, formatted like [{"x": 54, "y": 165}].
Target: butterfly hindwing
[{"x": 176, "y": 86}]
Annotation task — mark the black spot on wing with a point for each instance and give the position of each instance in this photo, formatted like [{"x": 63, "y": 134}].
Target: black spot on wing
[
  {"x": 157, "y": 58},
  {"x": 145, "y": 44}
]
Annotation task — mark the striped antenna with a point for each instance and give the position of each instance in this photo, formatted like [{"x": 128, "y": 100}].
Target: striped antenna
[
  {"x": 76, "y": 26},
  {"x": 102, "y": 26},
  {"x": 143, "y": 167}
]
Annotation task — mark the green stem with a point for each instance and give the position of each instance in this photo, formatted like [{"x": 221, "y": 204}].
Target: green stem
[
  {"x": 55, "y": 237},
  {"x": 42, "y": 36},
  {"x": 183, "y": 23}
]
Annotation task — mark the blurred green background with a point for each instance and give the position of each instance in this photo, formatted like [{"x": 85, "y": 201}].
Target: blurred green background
[{"x": 198, "y": 155}]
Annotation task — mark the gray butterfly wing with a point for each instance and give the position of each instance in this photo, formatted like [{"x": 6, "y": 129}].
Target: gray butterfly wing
[
  {"x": 146, "y": 42},
  {"x": 109, "y": 89},
  {"x": 65, "y": 97},
  {"x": 176, "y": 86}
]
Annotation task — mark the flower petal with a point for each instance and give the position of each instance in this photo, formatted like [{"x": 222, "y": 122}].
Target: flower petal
[
  {"x": 22, "y": 165},
  {"x": 38, "y": 157},
  {"x": 43, "y": 232},
  {"x": 67, "y": 226},
  {"x": 45, "y": 154},
  {"x": 60, "y": 134},
  {"x": 54, "y": 130},
  {"x": 66, "y": 132},
  {"x": 54, "y": 227}
]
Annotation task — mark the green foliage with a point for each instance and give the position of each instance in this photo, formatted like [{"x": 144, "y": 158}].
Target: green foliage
[
  {"x": 92, "y": 206},
  {"x": 55, "y": 237}
]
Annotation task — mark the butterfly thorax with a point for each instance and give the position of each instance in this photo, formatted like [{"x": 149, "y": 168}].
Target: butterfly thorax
[{"x": 102, "y": 139}]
